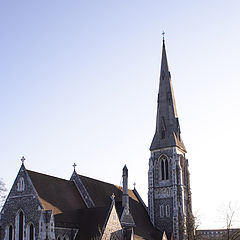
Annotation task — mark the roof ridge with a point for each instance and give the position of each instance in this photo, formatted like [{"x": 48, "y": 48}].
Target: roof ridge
[
  {"x": 94, "y": 179},
  {"x": 43, "y": 174}
]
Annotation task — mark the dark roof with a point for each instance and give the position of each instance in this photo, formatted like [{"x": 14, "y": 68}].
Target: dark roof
[
  {"x": 70, "y": 211},
  {"x": 90, "y": 221},
  {"x": 100, "y": 193},
  {"x": 55, "y": 193}
]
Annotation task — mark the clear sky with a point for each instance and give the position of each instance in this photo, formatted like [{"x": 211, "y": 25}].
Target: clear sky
[{"x": 79, "y": 82}]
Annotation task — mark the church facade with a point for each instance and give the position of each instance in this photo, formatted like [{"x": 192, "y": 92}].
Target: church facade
[{"x": 41, "y": 207}]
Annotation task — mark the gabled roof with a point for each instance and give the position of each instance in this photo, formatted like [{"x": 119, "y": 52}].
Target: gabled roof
[
  {"x": 90, "y": 221},
  {"x": 69, "y": 209},
  {"x": 55, "y": 193},
  {"x": 100, "y": 193}
]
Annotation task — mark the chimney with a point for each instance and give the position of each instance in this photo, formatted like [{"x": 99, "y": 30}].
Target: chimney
[{"x": 125, "y": 198}]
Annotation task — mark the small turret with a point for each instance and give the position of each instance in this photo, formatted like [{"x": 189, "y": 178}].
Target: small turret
[
  {"x": 125, "y": 197},
  {"x": 126, "y": 218}
]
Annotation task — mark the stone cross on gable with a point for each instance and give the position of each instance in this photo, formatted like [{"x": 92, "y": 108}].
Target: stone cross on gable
[
  {"x": 23, "y": 159},
  {"x": 74, "y": 166},
  {"x": 113, "y": 197}
]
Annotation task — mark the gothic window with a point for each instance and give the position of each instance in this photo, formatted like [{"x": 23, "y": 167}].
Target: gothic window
[
  {"x": 161, "y": 211},
  {"x": 20, "y": 185},
  {"x": 31, "y": 232},
  {"x": 10, "y": 232},
  {"x": 166, "y": 169},
  {"x": 20, "y": 226},
  {"x": 167, "y": 211},
  {"x": 163, "y": 134},
  {"x": 162, "y": 169}
]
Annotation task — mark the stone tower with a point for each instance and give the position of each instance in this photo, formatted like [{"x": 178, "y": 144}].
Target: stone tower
[{"x": 169, "y": 194}]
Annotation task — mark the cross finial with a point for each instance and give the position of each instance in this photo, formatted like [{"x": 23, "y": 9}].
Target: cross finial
[
  {"x": 113, "y": 196},
  {"x": 163, "y": 33},
  {"x": 23, "y": 159},
  {"x": 134, "y": 185},
  {"x": 74, "y": 166}
]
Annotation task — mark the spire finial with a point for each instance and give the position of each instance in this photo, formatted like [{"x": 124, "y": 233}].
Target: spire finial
[
  {"x": 23, "y": 159},
  {"x": 74, "y": 166},
  {"x": 134, "y": 185},
  {"x": 163, "y": 33}
]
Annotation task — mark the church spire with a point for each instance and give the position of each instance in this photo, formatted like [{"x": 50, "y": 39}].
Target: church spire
[{"x": 167, "y": 126}]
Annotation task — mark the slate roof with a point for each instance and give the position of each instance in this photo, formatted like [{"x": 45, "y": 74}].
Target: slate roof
[
  {"x": 100, "y": 193},
  {"x": 70, "y": 211},
  {"x": 90, "y": 221},
  {"x": 55, "y": 193}
]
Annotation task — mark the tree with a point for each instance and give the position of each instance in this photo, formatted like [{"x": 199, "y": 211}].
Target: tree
[
  {"x": 230, "y": 213},
  {"x": 3, "y": 191}
]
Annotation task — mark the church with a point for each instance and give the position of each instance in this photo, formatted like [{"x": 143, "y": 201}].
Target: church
[{"x": 41, "y": 207}]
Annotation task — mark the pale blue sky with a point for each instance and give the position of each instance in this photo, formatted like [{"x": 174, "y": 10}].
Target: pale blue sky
[{"x": 79, "y": 84}]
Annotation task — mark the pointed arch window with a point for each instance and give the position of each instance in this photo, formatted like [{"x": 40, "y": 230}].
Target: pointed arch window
[
  {"x": 163, "y": 133},
  {"x": 30, "y": 232},
  {"x": 161, "y": 211},
  {"x": 10, "y": 232},
  {"x": 20, "y": 226},
  {"x": 20, "y": 185},
  {"x": 164, "y": 168},
  {"x": 167, "y": 211}
]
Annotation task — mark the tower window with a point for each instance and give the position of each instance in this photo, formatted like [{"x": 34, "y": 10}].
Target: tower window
[
  {"x": 167, "y": 211},
  {"x": 161, "y": 211},
  {"x": 163, "y": 134},
  {"x": 162, "y": 169},
  {"x": 166, "y": 168}
]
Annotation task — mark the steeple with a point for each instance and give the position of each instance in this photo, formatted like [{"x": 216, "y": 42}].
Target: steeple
[{"x": 167, "y": 132}]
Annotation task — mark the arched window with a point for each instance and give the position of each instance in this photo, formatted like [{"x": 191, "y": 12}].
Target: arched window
[
  {"x": 166, "y": 169},
  {"x": 58, "y": 238},
  {"x": 31, "y": 232},
  {"x": 162, "y": 169},
  {"x": 10, "y": 232},
  {"x": 167, "y": 211},
  {"x": 163, "y": 133},
  {"x": 20, "y": 226},
  {"x": 20, "y": 185},
  {"x": 161, "y": 211}
]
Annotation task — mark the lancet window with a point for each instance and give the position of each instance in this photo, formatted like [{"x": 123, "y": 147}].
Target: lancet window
[{"x": 164, "y": 168}]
